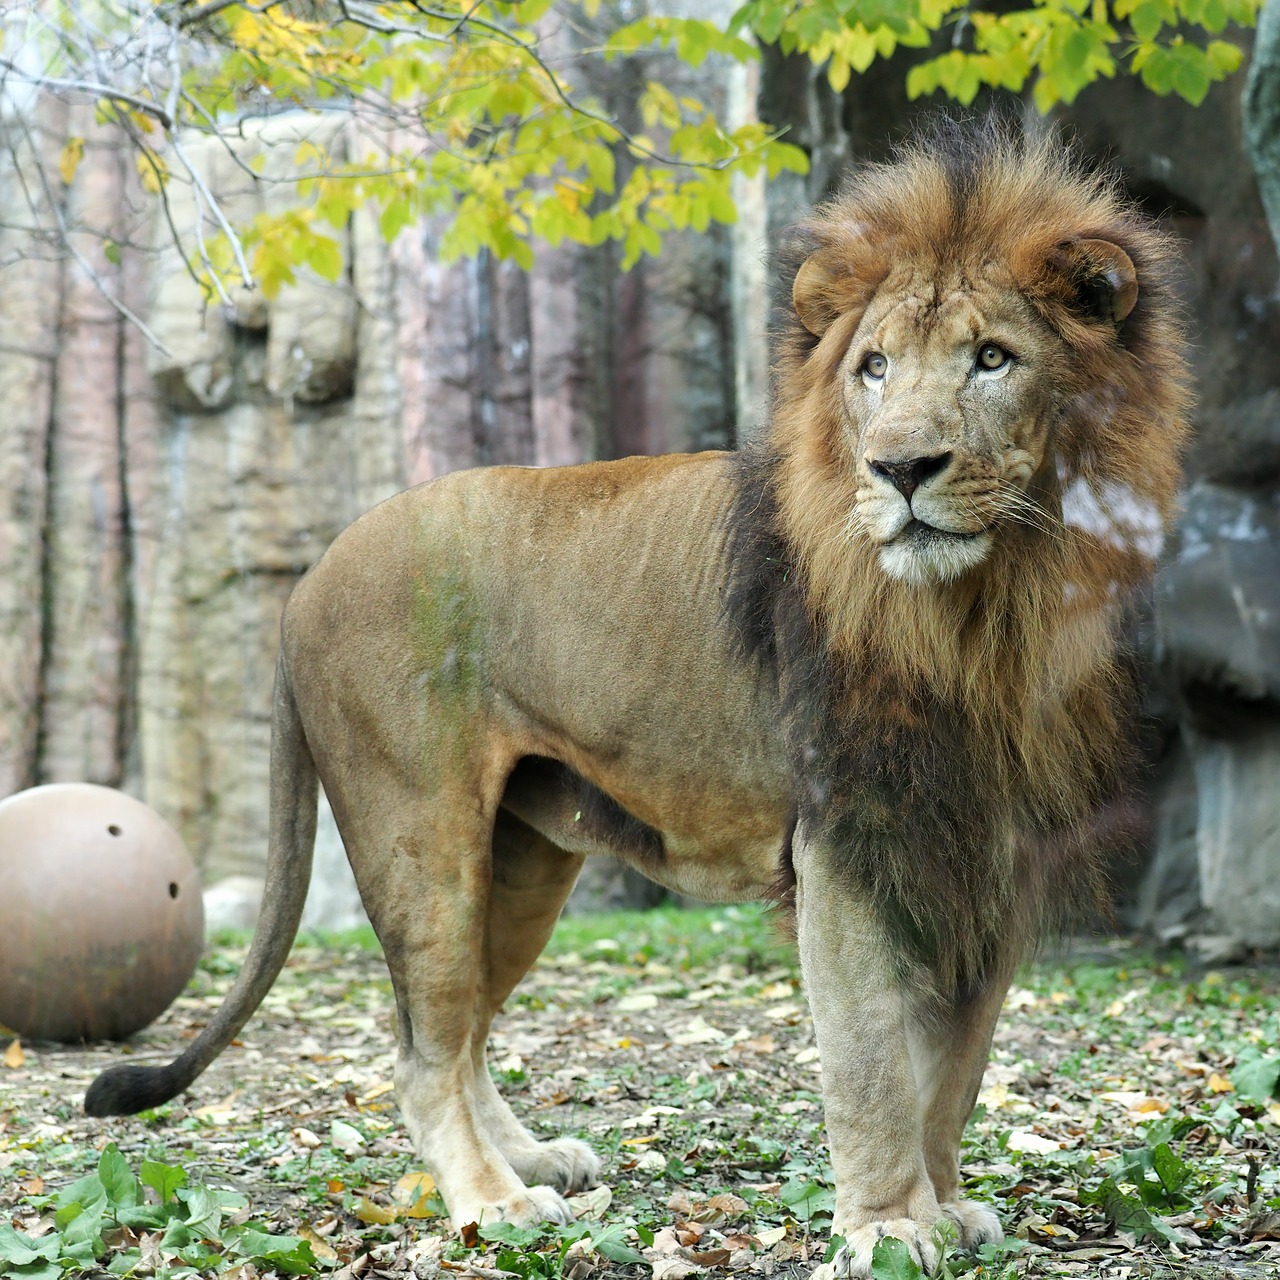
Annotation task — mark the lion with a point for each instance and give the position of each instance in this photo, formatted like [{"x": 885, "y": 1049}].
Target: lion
[{"x": 871, "y": 667}]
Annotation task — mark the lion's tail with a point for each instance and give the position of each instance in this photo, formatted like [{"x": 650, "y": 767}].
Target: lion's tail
[{"x": 129, "y": 1089}]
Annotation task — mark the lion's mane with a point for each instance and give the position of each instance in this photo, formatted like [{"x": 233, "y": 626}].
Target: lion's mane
[{"x": 953, "y": 743}]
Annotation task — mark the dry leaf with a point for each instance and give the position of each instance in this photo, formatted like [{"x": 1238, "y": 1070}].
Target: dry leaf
[
  {"x": 1220, "y": 1084},
  {"x": 637, "y": 1003},
  {"x": 590, "y": 1205},
  {"x": 1266, "y": 1226},
  {"x": 1024, "y": 1140},
  {"x": 345, "y": 1138},
  {"x": 767, "y": 1239},
  {"x": 674, "y": 1269},
  {"x": 14, "y": 1056},
  {"x": 711, "y": 1257},
  {"x": 319, "y": 1245},
  {"x": 377, "y": 1214}
]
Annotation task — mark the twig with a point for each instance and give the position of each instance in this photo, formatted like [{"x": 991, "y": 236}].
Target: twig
[
  {"x": 56, "y": 83},
  {"x": 85, "y": 265}
]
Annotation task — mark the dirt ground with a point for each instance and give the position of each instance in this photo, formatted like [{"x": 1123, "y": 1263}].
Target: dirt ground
[{"x": 682, "y": 1050}]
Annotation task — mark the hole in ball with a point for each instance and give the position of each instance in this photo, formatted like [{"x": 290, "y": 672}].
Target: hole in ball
[
  {"x": 173, "y": 889},
  {"x": 113, "y": 830}
]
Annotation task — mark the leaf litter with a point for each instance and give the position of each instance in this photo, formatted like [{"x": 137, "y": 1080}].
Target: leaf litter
[{"x": 1127, "y": 1126}]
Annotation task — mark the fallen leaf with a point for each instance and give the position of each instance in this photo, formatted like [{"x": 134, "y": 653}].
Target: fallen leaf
[
  {"x": 1219, "y": 1083},
  {"x": 14, "y": 1057},
  {"x": 774, "y": 1235},
  {"x": 590, "y": 1205},
  {"x": 1024, "y": 1140},
  {"x": 413, "y": 1186},
  {"x": 1265, "y": 1226},
  {"x": 711, "y": 1257},
  {"x": 345, "y": 1138},
  {"x": 698, "y": 1031},
  {"x": 377, "y": 1214},
  {"x": 219, "y": 1112},
  {"x": 637, "y": 1003},
  {"x": 674, "y": 1269},
  {"x": 319, "y": 1245}
]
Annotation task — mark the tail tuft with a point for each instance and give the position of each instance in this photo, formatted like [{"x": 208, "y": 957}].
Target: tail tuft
[{"x": 124, "y": 1091}]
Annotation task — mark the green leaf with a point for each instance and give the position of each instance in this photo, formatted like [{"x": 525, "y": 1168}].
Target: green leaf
[
  {"x": 324, "y": 257},
  {"x": 163, "y": 1179},
  {"x": 290, "y": 1254},
  {"x": 1173, "y": 1172},
  {"x": 122, "y": 1187},
  {"x": 806, "y": 1199},
  {"x": 18, "y": 1250},
  {"x": 891, "y": 1260},
  {"x": 1255, "y": 1075}
]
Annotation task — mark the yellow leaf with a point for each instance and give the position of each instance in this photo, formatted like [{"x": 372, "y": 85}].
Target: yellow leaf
[
  {"x": 413, "y": 1186},
  {"x": 14, "y": 1056},
  {"x": 374, "y": 1214},
  {"x": 1115, "y": 1008},
  {"x": 153, "y": 171},
  {"x": 319, "y": 1245},
  {"x": 378, "y": 1090},
  {"x": 1220, "y": 1084},
  {"x": 69, "y": 160}
]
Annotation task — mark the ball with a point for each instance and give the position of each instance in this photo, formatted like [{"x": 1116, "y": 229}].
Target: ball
[{"x": 101, "y": 919}]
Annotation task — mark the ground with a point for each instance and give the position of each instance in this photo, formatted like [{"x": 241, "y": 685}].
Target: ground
[{"x": 1125, "y": 1128}]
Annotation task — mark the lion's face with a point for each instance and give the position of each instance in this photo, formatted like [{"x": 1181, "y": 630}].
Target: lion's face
[{"x": 944, "y": 390}]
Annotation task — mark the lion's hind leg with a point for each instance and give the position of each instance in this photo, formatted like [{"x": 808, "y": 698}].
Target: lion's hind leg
[
  {"x": 426, "y": 873},
  {"x": 532, "y": 878}
]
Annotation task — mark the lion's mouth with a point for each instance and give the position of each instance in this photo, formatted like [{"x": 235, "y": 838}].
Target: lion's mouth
[{"x": 920, "y": 533}]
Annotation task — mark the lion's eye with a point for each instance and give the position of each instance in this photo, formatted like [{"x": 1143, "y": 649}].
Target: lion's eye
[
  {"x": 875, "y": 366},
  {"x": 991, "y": 356}
]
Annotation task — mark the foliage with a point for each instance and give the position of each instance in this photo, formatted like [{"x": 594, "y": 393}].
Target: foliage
[
  {"x": 180, "y": 1229},
  {"x": 482, "y": 112}
]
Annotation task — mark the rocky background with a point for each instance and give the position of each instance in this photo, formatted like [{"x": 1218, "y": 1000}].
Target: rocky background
[{"x": 155, "y": 509}]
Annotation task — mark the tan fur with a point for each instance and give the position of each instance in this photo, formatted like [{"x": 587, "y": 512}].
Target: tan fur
[{"x": 464, "y": 644}]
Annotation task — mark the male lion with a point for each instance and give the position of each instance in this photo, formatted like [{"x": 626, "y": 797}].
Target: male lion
[{"x": 872, "y": 665}]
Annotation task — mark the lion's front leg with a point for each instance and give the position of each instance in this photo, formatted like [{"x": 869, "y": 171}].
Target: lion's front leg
[{"x": 874, "y": 1112}]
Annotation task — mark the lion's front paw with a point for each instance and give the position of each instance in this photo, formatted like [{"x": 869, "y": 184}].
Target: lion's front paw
[
  {"x": 853, "y": 1258},
  {"x": 563, "y": 1163},
  {"x": 525, "y": 1208},
  {"x": 977, "y": 1223}
]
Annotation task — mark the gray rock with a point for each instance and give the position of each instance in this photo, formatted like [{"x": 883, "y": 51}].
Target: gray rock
[
  {"x": 1218, "y": 603},
  {"x": 1238, "y": 833}
]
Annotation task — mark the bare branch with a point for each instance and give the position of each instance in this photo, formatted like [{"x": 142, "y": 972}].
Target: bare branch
[
  {"x": 86, "y": 266},
  {"x": 94, "y": 90}
]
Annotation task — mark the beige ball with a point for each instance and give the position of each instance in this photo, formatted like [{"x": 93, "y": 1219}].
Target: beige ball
[{"x": 101, "y": 920}]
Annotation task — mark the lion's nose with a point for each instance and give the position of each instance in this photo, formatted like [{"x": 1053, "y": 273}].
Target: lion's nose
[{"x": 909, "y": 475}]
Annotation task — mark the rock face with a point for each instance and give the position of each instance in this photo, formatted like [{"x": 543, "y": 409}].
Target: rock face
[{"x": 1217, "y": 599}]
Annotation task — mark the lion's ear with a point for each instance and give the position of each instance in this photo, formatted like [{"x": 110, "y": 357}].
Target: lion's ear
[
  {"x": 1104, "y": 277},
  {"x": 811, "y": 296}
]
